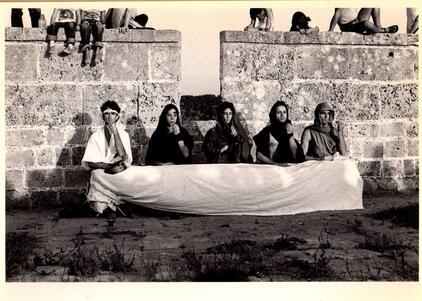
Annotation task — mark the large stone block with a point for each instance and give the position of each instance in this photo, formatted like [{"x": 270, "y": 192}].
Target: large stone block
[
  {"x": 52, "y": 105},
  {"x": 252, "y": 99},
  {"x": 77, "y": 136},
  {"x": 14, "y": 179},
  {"x": 236, "y": 63},
  {"x": 63, "y": 156},
  {"x": 55, "y": 136},
  {"x": 167, "y": 35},
  {"x": 13, "y": 34},
  {"x": 353, "y": 102},
  {"x": 44, "y": 199},
  {"x": 373, "y": 149},
  {"x": 399, "y": 101},
  {"x": 394, "y": 149},
  {"x": 46, "y": 156},
  {"x": 408, "y": 184},
  {"x": 411, "y": 129},
  {"x": 43, "y": 178},
  {"x": 152, "y": 98},
  {"x": 16, "y": 158},
  {"x": 356, "y": 148},
  {"x": 274, "y": 37},
  {"x": 383, "y": 63},
  {"x": 17, "y": 199},
  {"x": 16, "y": 71},
  {"x": 393, "y": 168},
  {"x": 409, "y": 167},
  {"x": 125, "y": 95},
  {"x": 24, "y": 137},
  {"x": 356, "y": 130},
  {"x": 58, "y": 68},
  {"x": 312, "y": 37},
  {"x": 412, "y": 147},
  {"x": 165, "y": 62},
  {"x": 369, "y": 168},
  {"x": 131, "y": 36},
  {"x": 302, "y": 99},
  {"x": 76, "y": 177},
  {"x": 126, "y": 62},
  {"x": 321, "y": 61},
  {"x": 392, "y": 129}
]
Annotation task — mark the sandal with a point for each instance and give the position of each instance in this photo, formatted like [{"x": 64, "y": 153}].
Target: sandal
[{"x": 391, "y": 29}]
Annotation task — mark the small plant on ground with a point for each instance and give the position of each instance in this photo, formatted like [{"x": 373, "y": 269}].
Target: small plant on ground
[
  {"x": 381, "y": 243},
  {"x": 286, "y": 243},
  {"x": 117, "y": 259}
]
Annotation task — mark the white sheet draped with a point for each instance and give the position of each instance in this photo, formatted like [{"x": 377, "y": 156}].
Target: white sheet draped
[{"x": 233, "y": 189}]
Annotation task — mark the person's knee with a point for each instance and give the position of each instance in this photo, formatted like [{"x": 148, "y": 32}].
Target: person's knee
[{"x": 85, "y": 25}]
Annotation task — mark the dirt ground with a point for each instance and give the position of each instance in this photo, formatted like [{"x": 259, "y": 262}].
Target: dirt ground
[{"x": 377, "y": 243}]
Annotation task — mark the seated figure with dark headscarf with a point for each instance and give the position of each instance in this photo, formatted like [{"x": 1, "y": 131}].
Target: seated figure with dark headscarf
[{"x": 323, "y": 139}]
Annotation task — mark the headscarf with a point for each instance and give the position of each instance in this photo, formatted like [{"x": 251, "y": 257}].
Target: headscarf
[
  {"x": 329, "y": 128},
  {"x": 278, "y": 128},
  {"x": 162, "y": 122}
]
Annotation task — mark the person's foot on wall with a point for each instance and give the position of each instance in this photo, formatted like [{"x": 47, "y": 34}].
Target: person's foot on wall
[
  {"x": 95, "y": 57},
  {"x": 391, "y": 29},
  {"x": 67, "y": 50}
]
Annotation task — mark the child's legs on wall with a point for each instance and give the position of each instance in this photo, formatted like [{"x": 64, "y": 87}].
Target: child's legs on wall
[
  {"x": 35, "y": 14},
  {"x": 52, "y": 31},
  {"x": 85, "y": 35},
  {"x": 70, "y": 31},
  {"x": 97, "y": 33}
]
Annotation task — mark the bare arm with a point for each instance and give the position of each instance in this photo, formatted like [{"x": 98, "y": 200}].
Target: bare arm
[
  {"x": 334, "y": 19},
  {"x": 128, "y": 15},
  {"x": 54, "y": 15},
  {"x": 118, "y": 142},
  {"x": 264, "y": 159},
  {"x": 98, "y": 165},
  {"x": 183, "y": 148},
  {"x": 306, "y": 137},
  {"x": 270, "y": 18},
  {"x": 415, "y": 25}
]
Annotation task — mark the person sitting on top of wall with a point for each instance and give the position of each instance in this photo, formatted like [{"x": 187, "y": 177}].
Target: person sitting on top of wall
[
  {"x": 69, "y": 19},
  {"x": 300, "y": 23},
  {"x": 92, "y": 23},
  {"x": 265, "y": 18},
  {"x": 321, "y": 141},
  {"x": 357, "y": 20}
]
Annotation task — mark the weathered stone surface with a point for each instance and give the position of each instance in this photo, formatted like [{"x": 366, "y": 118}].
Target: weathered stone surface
[
  {"x": 126, "y": 62},
  {"x": 198, "y": 107},
  {"x": 16, "y": 71},
  {"x": 77, "y": 136},
  {"x": 167, "y": 35},
  {"x": 394, "y": 148},
  {"x": 69, "y": 196},
  {"x": 153, "y": 97},
  {"x": 373, "y": 149},
  {"x": 43, "y": 178},
  {"x": 14, "y": 179},
  {"x": 13, "y": 33},
  {"x": 392, "y": 129},
  {"x": 274, "y": 37},
  {"x": 312, "y": 37},
  {"x": 409, "y": 167},
  {"x": 131, "y": 36},
  {"x": 52, "y": 105},
  {"x": 316, "y": 62},
  {"x": 58, "y": 68},
  {"x": 369, "y": 168},
  {"x": 55, "y": 136},
  {"x": 17, "y": 199},
  {"x": 353, "y": 102},
  {"x": 95, "y": 95},
  {"x": 46, "y": 156},
  {"x": 408, "y": 184},
  {"x": 383, "y": 63},
  {"x": 412, "y": 147},
  {"x": 34, "y": 34},
  {"x": 16, "y": 159},
  {"x": 76, "y": 177},
  {"x": 44, "y": 199},
  {"x": 302, "y": 99},
  {"x": 63, "y": 156},
  {"x": 374, "y": 130},
  {"x": 24, "y": 137},
  {"x": 356, "y": 148},
  {"x": 392, "y": 168},
  {"x": 411, "y": 129},
  {"x": 165, "y": 62},
  {"x": 399, "y": 101},
  {"x": 356, "y": 130}
]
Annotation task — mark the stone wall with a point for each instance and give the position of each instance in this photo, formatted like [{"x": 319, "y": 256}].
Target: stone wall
[
  {"x": 372, "y": 82},
  {"x": 52, "y": 105}
]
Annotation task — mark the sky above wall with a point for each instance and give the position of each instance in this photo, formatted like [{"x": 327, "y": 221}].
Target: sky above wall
[{"x": 200, "y": 25}]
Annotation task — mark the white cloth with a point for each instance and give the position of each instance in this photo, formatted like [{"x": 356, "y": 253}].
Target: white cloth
[
  {"x": 96, "y": 150},
  {"x": 232, "y": 189}
]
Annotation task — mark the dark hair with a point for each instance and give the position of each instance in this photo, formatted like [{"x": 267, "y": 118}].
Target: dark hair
[
  {"x": 273, "y": 113},
  {"x": 299, "y": 21},
  {"x": 110, "y": 104},
  {"x": 254, "y": 12},
  {"x": 142, "y": 19},
  {"x": 162, "y": 122}
]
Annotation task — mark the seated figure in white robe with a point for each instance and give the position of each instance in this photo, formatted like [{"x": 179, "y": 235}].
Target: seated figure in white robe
[{"x": 108, "y": 145}]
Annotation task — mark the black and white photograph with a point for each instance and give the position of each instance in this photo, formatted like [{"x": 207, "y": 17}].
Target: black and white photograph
[{"x": 211, "y": 141}]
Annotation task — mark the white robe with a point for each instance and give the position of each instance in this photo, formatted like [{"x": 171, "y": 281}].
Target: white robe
[{"x": 97, "y": 152}]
